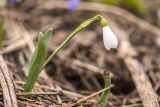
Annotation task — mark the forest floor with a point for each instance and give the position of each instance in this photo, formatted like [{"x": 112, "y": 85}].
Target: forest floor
[{"x": 77, "y": 70}]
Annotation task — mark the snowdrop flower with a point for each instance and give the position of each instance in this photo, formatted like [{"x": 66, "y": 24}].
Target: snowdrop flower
[
  {"x": 73, "y": 4},
  {"x": 109, "y": 38}
]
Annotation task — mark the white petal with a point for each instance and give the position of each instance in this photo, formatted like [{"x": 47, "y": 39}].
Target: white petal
[{"x": 109, "y": 38}]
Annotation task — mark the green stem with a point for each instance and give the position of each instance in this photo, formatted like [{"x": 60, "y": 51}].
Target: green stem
[
  {"x": 1, "y": 32},
  {"x": 82, "y": 26}
]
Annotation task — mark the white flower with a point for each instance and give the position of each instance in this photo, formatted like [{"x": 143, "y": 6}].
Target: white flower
[{"x": 109, "y": 38}]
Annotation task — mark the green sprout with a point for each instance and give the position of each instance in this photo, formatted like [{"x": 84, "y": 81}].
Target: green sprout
[
  {"x": 39, "y": 59},
  {"x": 1, "y": 32},
  {"x": 105, "y": 95}
]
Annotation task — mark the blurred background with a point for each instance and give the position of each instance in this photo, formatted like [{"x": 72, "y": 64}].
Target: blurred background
[{"x": 77, "y": 69}]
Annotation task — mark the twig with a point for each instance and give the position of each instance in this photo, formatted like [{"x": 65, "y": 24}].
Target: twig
[
  {"x": 143, "y": 85},
  {"x": 10, "y": 99},
  {"x": 89, "y": 67},
  {"x": 90, "y": 96},
  {"x": 29, "y": 104},
  {"x": 23, "y": 40},
  {"x": 36, "y": 93},
  {"x": 70, "y": 94}
]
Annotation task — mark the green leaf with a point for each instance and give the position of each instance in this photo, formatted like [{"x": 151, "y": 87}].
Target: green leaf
[
  {"x": 38, "y": 59},
  {"x": 111, "y": 2},
  {"x": 81, "y": 105},
  {"x": 1, "y": 32},
  {"x": 135, "y": 5},
  {"x": 105, "y": 95}
]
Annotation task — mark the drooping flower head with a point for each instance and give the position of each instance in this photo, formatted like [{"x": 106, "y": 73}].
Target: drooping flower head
[
  {"x": 109, "y": 38},
  {"x": 73, "y": 4}
]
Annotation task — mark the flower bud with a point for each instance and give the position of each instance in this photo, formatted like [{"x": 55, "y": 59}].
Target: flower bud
[{"x": 109, "y": 38}]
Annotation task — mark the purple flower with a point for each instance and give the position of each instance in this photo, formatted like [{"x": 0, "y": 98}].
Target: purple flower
[
  {"x": 73, "y": 4},
  {"x": 14, "y": 1}
]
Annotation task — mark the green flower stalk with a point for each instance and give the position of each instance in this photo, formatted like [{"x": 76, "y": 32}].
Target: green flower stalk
[
  {"x": 39, "y": 59},
  {"x": 82, "y": 26}
]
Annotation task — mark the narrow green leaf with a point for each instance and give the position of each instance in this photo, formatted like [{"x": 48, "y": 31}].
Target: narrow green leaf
[
  {"x": 1, "y": 32},
  {"x": 38, "y": 59},
  {"x": 105, "y": 95}
]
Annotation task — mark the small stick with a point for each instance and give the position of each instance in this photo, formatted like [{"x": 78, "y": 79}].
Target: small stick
[
  {"x": 90, "y": 96},
  {"x": 6, "y": 82},
  {"x": 142, "y": 83},
  {"x": 35, "y": 93},
  {"x": 29, "y": 104}
]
